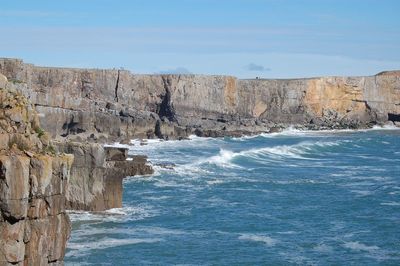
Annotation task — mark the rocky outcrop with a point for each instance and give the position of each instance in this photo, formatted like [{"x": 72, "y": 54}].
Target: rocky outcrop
[
  {"x": 40, "y": 178},
  {"x": 106, "y": 105},
  {"x": 97, "y": 173},
  {"x": 34, "y": 227}
]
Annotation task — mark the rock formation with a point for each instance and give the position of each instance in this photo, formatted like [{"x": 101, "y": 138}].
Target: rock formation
[
  {"x": 117, "y": 105},
  {"x": 40, "y": 178},
  {"x": 34, "y": 227},
  {"x": 97, "y": 173}
]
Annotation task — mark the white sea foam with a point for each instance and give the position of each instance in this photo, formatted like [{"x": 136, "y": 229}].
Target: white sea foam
[
  {"x": 223, "y": 159},
  {"x": 357, "y": 246},
  {"x": 259, "y": 238},
  {"x": 80, "y": 249},
  {"x": 391, "y": 203},
  {"x": 363, "y": 193},
  {"x": 292, "y": 131},
  {"x": 323, "y": 248},
  {"x": 117, "y": 145},
  {"x": 385, "y": 127},
  {"x": 374, "y": 178},
  {"x": 215, "y": 182},
  {"x": 114, "y": 215},
  {"x": 287, "y": 233},
  {"x": 160, "y": 231},
  {"x": 296, "y": 151},
  {"x": 156, "y": 198},
  {"x": 86, "y": 230}
]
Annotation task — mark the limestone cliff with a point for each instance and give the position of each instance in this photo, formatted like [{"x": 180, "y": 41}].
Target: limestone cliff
[
  {"x": 116, "y": 104},
  {"x": 40, "y": 178},
  {"x": 34, "y": 227},
  {"x": 97, "y": 173}
]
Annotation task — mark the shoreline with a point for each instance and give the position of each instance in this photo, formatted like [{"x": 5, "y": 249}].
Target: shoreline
[{"x": 285, "y": 131}]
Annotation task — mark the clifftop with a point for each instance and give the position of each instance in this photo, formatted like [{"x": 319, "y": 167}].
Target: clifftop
[{"x": 105, "y": 105}]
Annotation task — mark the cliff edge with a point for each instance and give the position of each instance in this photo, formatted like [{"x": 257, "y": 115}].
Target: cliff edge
[
  {"x": 34, "y": 227},
  {"x": 105, "y": 105}
]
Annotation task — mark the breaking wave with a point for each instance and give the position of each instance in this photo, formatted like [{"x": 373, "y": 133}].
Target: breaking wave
[{"x": 300, "y": 151}]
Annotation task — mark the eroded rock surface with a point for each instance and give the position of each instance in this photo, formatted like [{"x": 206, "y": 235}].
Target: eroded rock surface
[
  {"x": 101, "y": 105},
  {"x": 97, "y": 173},
  {"x": 34, "y": 227}
]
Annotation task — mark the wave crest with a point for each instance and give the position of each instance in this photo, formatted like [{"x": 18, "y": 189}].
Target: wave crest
[{"x": 297, "y": 151}]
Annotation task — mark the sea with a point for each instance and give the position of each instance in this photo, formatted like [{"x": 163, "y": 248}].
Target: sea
[{"x": 289, "y": 198}]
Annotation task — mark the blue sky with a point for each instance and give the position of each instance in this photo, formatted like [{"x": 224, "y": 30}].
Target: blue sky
[{"x": 245, "y": 38}]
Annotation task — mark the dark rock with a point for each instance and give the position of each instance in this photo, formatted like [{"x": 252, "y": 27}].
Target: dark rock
[
  {"x": 169, "y": 166},
  {"x": 275, "y": 130},
  {"x": 116, "y": 154}
]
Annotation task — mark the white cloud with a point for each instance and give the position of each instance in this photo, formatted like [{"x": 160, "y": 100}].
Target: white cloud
[{"x": 255, "y": 67}]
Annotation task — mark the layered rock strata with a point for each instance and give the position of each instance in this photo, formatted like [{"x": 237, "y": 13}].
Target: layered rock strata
[
  {"x": 34, "y": 226},
  {"x": 97, "y": 173},
  {"x": 117, "y": 105},
  {"x": 40, "y": 178}
]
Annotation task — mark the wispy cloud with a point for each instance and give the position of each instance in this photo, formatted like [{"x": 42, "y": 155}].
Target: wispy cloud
[{"x": 258, "y": 68}]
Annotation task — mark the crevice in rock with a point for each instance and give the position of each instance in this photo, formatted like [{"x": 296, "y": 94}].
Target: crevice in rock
[
  {"x": 2, "y": 171},
  {"x": 157, "y": 130},
  {"x": 71, "y": 127},
  {"x": 10, "y": 219},
  {"x": 166, "y": 109},
  {"x": 394, "y": 117},
  {"x": 116, "y": 87}
]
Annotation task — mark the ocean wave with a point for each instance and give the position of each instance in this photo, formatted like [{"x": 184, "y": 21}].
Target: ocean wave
[
  {"x": 215, "y": 182},
  {"x": 385, "y": 127},
  {"x": 223, "y": 159},
  {"x": 323, "y": 248},
  {"x": 86, "y": 230},
  {"x": 391, "y": 203},
  {"x": 297, "y": 151},
  {"x": 357, "y": 246},
  {"x": 293, "y": 131},
  {"x": 363, "y": 193},
  {"x": 80, "y": 249},
  {"x": 259, "y": 238},
  {"x": 114, "y": 215},
  {"x": 155, "y": 144}
]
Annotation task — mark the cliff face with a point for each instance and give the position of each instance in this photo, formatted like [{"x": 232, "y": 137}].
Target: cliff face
[
  {"x": 34, "y": 227},
  {"x": 97, "y": 173},
  {"x": 40, "y": 178},
  {"x": 117, "y": 104}
]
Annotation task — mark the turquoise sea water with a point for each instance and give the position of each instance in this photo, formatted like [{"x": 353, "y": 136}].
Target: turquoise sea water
[{"x": 293, "y": 198}]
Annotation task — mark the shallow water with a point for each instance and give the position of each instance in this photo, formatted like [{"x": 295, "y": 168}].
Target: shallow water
[{"x": 289, "y": 198}]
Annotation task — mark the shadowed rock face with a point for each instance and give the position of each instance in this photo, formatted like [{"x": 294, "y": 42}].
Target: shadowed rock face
[
  {"x": 96, "y": 175},
  {"x": 111, "y": 104},
  {"x": 34, "y": 227}
]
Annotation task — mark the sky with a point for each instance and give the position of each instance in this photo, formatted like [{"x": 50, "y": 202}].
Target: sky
[{"x": 243, "y": 38}]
